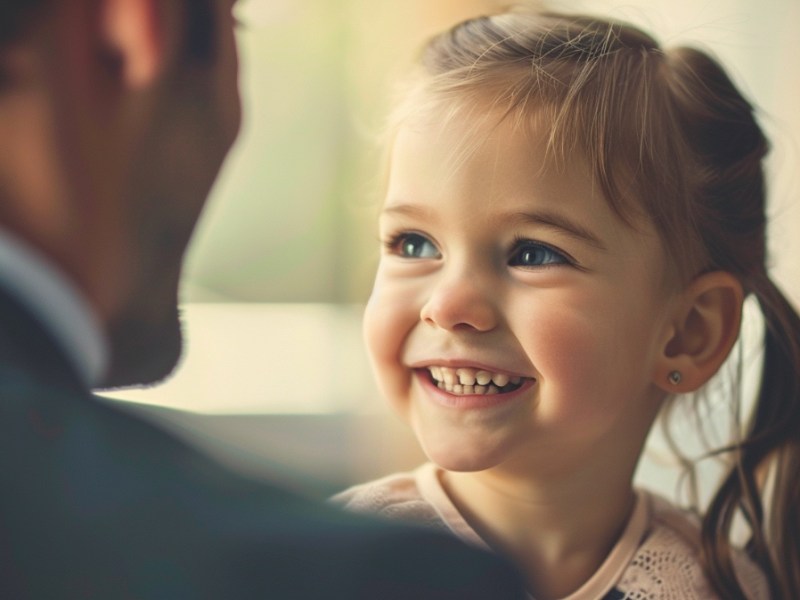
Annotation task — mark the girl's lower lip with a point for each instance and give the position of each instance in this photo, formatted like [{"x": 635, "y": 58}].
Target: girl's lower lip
[{"x": 471, "y": 401}]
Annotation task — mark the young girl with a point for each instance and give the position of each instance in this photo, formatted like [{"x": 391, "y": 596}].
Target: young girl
[{"x": 573, "y": 218}]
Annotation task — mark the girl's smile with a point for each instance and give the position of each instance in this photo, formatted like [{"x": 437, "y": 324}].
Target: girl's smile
[
  {"x": 470, "y": 387},
  {"x": 503, "y": 325},
  {"x": 469, "y": 381}
]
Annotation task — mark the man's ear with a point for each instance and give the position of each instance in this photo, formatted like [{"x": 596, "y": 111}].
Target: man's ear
[
  {"x": 139, "y": 38},
  {"x": 704, "y": 329}
]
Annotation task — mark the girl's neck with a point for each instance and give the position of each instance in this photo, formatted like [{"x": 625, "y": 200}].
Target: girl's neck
[{"x": 559, "y": 532}]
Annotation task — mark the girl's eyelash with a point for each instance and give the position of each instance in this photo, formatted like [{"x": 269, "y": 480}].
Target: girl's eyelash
[
  {"x": 394, "y": 239},
  {"x": 411, "y": 244},
  {"x": 521, "y": 242},
  {"x": 390, "y": 243}
]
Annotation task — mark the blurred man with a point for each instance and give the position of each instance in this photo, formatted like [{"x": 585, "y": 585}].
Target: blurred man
[{"x": 115, "y": 116}]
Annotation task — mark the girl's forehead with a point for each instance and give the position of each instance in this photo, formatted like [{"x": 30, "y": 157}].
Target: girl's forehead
[
  {"x": 466, "y": 122},
  {"x": 469, "y": 116},
  {"x": 454, "y": 154},
  {"x": 490, "y": 142}
]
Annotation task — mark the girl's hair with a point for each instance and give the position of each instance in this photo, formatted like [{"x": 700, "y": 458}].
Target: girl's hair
[{"x": 667, "y": 135}]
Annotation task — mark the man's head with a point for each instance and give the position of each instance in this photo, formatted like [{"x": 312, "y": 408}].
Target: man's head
[{"x": 121, "y": 113}]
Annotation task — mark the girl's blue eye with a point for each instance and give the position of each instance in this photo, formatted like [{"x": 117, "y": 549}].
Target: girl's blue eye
[
  {"x": 532, "y": 254},
  {"x": 414, "y": 245}
]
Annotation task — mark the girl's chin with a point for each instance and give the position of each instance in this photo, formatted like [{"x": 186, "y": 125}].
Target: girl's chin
[
  {"x": 467, "y": 441},
  {"x": 456, "y": 457}
]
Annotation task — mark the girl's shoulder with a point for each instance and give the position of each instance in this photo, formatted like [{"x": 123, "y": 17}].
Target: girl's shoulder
[
  {"x": 668, "y": 560},
  {"x": 399, "y": 496}
]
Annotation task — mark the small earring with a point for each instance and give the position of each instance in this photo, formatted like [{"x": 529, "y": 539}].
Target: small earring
[{"x": 675, "y": 377}]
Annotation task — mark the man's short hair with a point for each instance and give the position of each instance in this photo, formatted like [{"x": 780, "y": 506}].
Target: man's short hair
[{"x": 17, "y": 15}]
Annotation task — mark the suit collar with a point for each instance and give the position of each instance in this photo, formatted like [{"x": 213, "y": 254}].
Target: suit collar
[
  {"x": 56, "y": 304},
  {"x": 27, "y": 346}
]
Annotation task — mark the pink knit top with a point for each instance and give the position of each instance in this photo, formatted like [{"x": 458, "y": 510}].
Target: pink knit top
[{"x": 655, "y": 558}]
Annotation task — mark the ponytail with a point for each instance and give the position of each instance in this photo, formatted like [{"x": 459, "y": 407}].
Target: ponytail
[{"x": 764, "y": 484}]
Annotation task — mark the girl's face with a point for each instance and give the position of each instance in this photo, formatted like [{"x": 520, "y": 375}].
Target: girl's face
[{"x": 515, "y": 318}]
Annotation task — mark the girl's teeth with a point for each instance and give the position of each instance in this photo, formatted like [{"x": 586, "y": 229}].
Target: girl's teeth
[
  {"x": 483, "y": 377},
  {"x": 500, "y": 379},
  {"x": 466, "y": 376},
  {"x": 465, "y": 380}
]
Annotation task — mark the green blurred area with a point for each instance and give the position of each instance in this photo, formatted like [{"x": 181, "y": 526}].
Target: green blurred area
[{"x": 271, "y": 230}]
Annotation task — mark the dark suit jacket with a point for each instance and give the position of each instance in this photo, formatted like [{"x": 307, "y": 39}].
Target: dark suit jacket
[{"x": 96, "y": 503}]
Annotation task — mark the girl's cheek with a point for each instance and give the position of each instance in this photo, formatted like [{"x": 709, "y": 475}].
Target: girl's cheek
[
  {"x": 387, "y": 323},
  {"x": 569, "y": 351}
]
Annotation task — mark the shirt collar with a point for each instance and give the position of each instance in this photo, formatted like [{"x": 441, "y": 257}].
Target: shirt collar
[{"x": 58, "y": 305}]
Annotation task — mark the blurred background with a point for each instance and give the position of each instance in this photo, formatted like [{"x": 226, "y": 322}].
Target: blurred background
[{"x": 274, "y": 380}]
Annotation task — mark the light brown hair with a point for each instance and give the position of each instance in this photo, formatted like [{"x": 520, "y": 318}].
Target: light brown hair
[{"x": 669, "y": 136}]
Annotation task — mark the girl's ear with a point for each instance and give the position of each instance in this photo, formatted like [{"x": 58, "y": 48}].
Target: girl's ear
[{"x": 704, "y": 329}]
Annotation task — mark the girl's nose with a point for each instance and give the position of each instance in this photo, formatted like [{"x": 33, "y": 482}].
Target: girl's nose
[{"x": 461, "y": 304}]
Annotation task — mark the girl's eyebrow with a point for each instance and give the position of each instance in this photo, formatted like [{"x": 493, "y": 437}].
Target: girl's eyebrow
[
  {"x": 562, "y": 223},
  {"x": 407, "y": 210}
]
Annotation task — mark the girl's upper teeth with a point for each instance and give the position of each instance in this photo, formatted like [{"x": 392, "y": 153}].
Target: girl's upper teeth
[{"x": 468, "y": 376}]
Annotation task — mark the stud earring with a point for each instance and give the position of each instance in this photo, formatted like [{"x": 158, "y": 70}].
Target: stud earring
[{"x": 675, "y": 377}]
